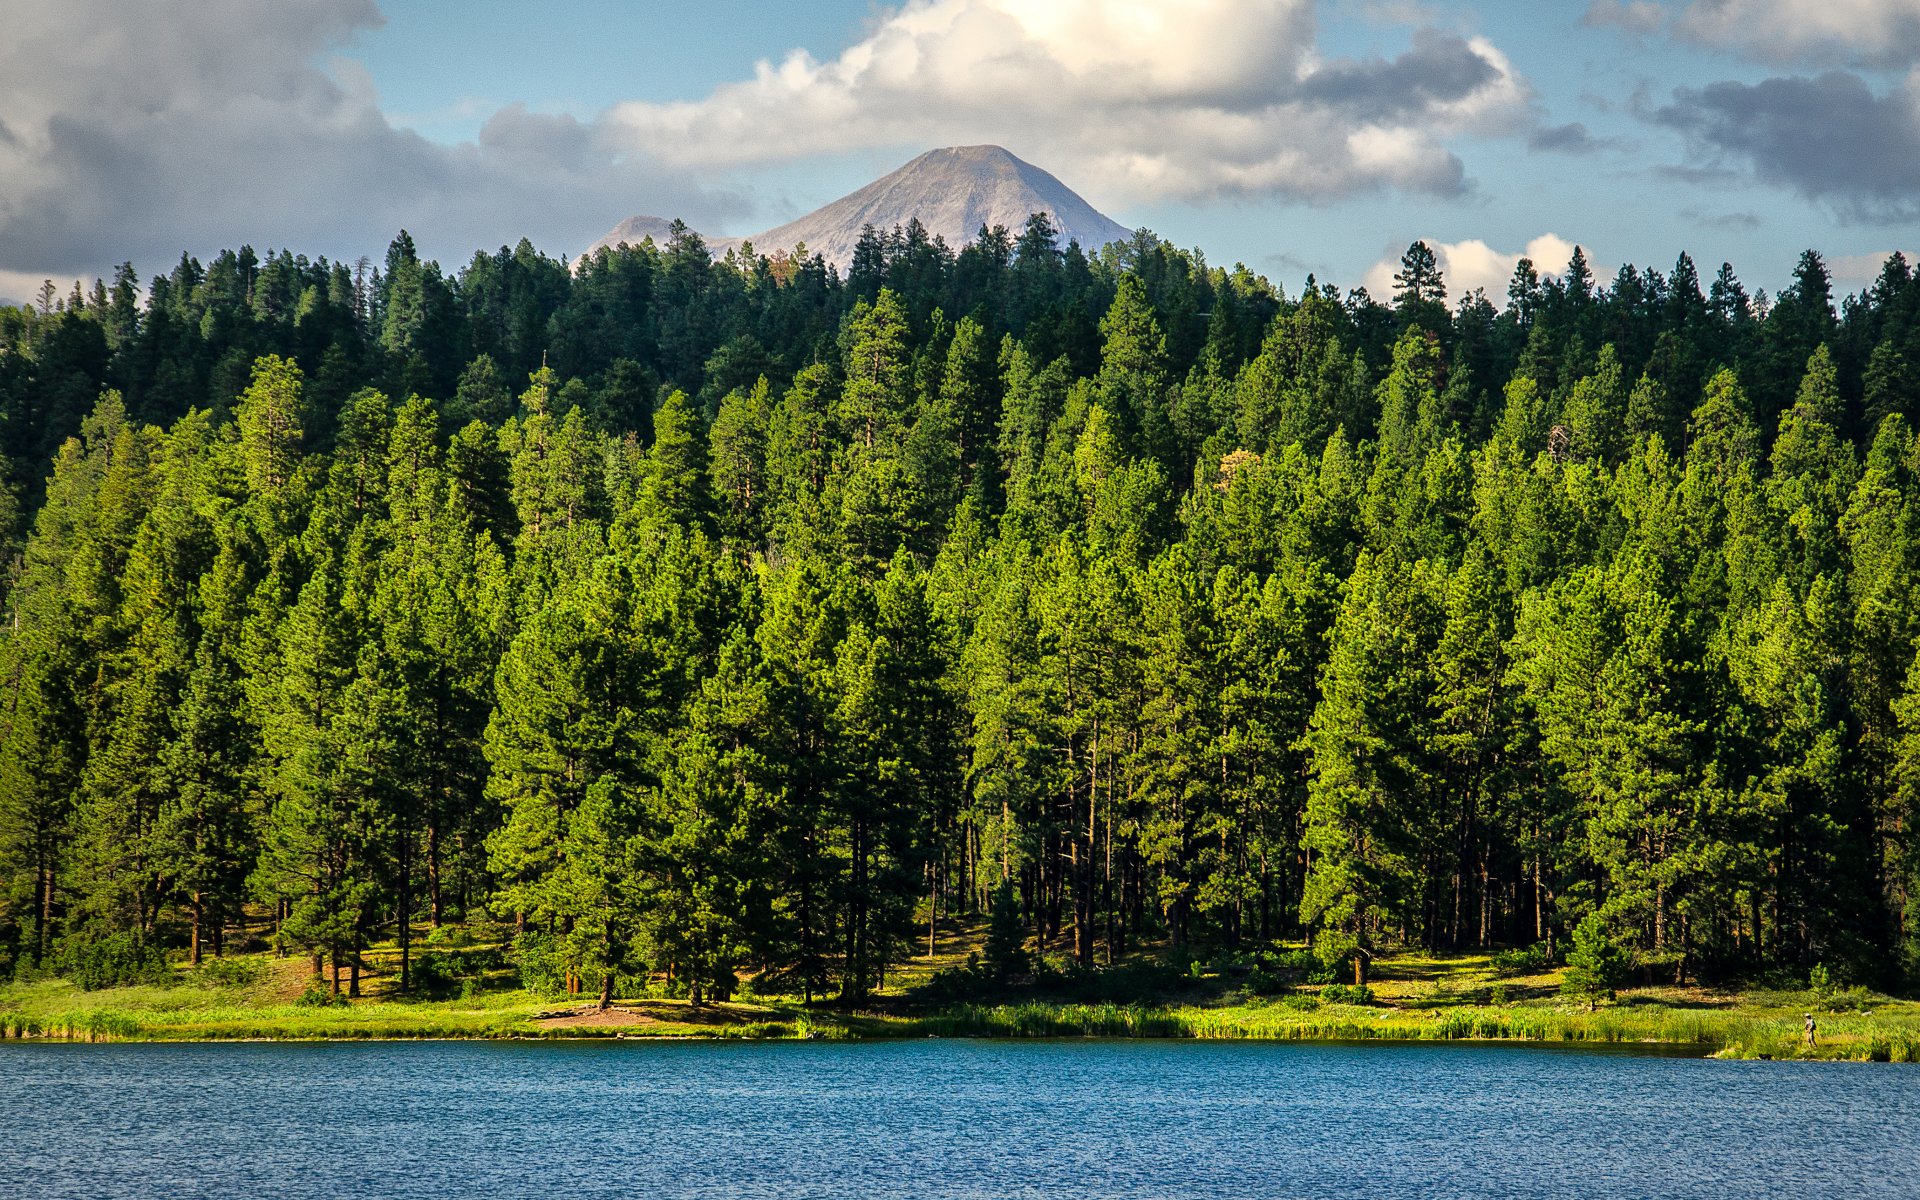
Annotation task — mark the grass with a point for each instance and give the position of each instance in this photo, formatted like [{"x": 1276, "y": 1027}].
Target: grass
[
  {"x": 1735, "y": 1033},
  {"x": 260, "y": 1005},
  {"x": 1417, "y": 997}
]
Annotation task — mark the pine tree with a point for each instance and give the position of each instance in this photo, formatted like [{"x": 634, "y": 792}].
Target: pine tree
[
  {"x": 737, "y": 468},
  {"x": 1368, "y": 815},
  {"x": 1596, "y": 966},
  {"x": 272, "y": 419}
]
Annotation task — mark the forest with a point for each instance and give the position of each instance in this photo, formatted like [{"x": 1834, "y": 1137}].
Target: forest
[{"x": 713, "y": 621}]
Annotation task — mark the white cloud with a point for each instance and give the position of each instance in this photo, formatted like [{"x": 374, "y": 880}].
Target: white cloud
[
  {"x": 1130, "y": 99},
  {"x": 1852, "y": 272},
  {"x": 1881, "y": 33},
  {"x": 133, "y": 131},
  {"x": 1474, "y": 264}
]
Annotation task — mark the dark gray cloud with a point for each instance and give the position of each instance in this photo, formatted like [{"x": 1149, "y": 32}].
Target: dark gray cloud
[
  {"x": 1440, "y": 68},
  {"x": 1573, "y": 138},
  {"x": 1829, "y": 138},
  {"x": 137, "y": 131}
]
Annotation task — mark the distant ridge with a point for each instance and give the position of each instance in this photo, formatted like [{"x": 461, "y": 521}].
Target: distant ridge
[
  {"x": 635, "y": 230},
  {"x": 953, "y": 192}
]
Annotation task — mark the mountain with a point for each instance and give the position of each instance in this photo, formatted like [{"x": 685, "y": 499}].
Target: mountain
[
  {"x": 635, "y": 230},
  {"x": 952, "y": 191}
]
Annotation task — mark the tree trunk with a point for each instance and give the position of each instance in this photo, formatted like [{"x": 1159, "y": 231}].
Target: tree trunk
[
  {"x": 406, "y": 912},
  {"x": 43, "y": 934},
  {"x": 1006, "y": 832},
  {"x": 193, "y": 938},
  {"x": 1083, "y": 864},
  {"x": 606, "y": 991},
  {"x": 433, "y": 874}
]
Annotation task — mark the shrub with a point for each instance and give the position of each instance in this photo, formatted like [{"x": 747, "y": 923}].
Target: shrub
[
  {"x": 1528, "y": 961},
  {"x": 228, "y": 972},
  {"x": 441, "y": 973},
  {"x": 1262, "y": 982},
  {"x": 1853, "y": 999},
  {"x": 24, "y": 971},
  {"x": 1344, "y": 993},
  {"x": 1298, "y": 961},
  {"x": 537, "y": 958},
  {"x": 112, "y": 960},
  {"x": 318, "y": 994},
  {"x": 433, "y": 974},
  {"x": 1336, "y": 948}
]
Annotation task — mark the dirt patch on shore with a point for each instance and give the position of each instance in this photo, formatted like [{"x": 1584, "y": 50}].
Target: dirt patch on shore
[
  {"x": 647, "y": 1015},
  {"x": 593, "y": 1017}
]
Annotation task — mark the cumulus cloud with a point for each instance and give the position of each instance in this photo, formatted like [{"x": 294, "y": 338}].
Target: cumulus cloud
[
  {"x": 1830, "y": 138},
  {"x": 1873, "y": 33},
  {"x": 1153, "y": 99},
  {"x": 1473, "y": 264},
  {"x": 133, "y": 131}
]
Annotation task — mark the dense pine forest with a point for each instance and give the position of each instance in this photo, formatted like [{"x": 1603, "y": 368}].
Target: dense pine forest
[{"x": 712, "y": 620}]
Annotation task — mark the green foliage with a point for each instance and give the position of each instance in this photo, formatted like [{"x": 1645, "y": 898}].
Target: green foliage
[
  {"x": 536, "y": 957},
  {"x": 1005, "y": 954},
  {"x": 112, "y": 960},
  {"x": 1527, "y": 960},
  {"x": 228, "y": 973},
  {"x": 441, "y": 973},
  {"x": 1597, "y": 965},
  {"x": 1262, "y": 982},
  {"x": 786, "y": 621},
  {"x": 316, "y": 994}
]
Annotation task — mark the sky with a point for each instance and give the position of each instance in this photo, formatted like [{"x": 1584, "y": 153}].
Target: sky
[{"x": 1294, "y": 136}]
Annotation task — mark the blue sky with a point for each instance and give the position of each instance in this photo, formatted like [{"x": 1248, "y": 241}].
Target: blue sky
[{"x": 1290, "y": 135}]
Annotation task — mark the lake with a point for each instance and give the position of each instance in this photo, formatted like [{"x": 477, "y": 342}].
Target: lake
[{"x": 942, "y": 1119}]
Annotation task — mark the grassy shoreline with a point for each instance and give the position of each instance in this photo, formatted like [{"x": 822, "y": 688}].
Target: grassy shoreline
[
  {"x": 1415, "y": 997},
  {"x": 1744, "y": 1028}
]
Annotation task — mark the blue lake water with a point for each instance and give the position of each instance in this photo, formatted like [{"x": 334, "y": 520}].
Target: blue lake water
[{"x": 943, "y": 1119}]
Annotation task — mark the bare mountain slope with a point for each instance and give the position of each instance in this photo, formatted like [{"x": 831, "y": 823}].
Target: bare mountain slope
[{"x": 953, "y": 192}]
